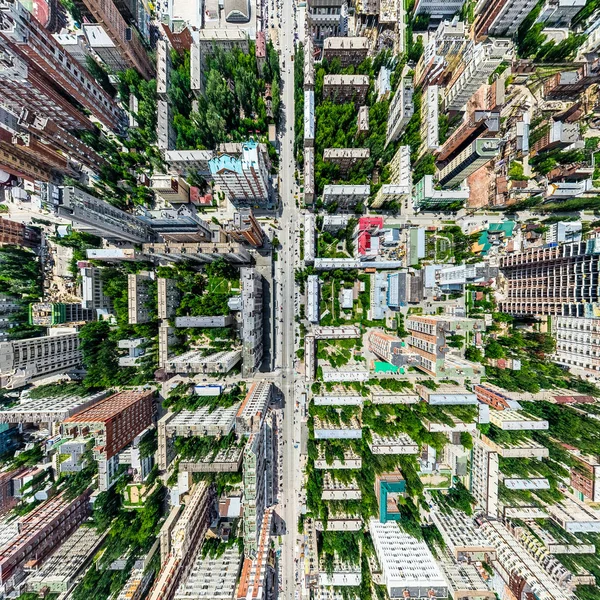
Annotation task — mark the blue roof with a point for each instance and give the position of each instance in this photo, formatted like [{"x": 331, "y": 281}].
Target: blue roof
[{"x": 225, "y": 163}]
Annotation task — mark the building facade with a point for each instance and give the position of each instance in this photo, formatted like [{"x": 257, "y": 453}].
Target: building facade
[{"x": 577, "y": 342}]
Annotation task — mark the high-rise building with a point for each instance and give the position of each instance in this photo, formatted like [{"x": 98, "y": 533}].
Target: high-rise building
[
  {"x": 114, "y": 422},
  {"x": 92, "y": 288},
  {"x": 501, "y": 17},
  {"x": 45, "y": 75},
  {"x": 244, "y": 180},
  {"x": 425, "y": 196},
  {"x": 251, "y": 320},
  {"x": 390, "y": 348},
  {"x": 99, "y": 41},
  {"x": 245, "y": 228},
  {"x": 106, "y": 13},
  {"x": 39, "y": 533},
  {"x": 577, "y": 342},
  {"x": 101, "y": 218},
  {"x": 479, "y": 62},
  {"x": 479, "y": 153},
  {"x": 559, "y": 280},
  {"x": 558, "y": 13},
  {"x": 18, "y": 234},
  {"x": 22, "y": 361},
  {"x": 401, "y": 110},
  {"x": 138, "y": 297},
  {"x": 49, "y": 314}
]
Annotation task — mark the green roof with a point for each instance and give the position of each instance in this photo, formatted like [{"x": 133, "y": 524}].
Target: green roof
[{"x": 384, "y": 367}]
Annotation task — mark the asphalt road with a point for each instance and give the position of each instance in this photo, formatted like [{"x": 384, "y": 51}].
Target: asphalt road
[{"x": 286, "y": 307}]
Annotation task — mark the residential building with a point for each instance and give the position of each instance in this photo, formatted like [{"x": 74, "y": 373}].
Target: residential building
[
  {"x": 135, "y": 351},
  {"x": 427, "y": 197},
  {"x": 215, "y": 577},
  {"x": 438, "y": 8},
  {"x": 251, "y": 320},
  {"x": 346, "y": 196},
  {"x": 453, "y": 278},
  {"x": 47, "y": 77},
  {"x": 181, "y": 537},
  {"x": 92, "y": 288},
  {"x": 446, "y": 395},
  {"x": 404, "y": 288},
  {"x": 39, "y": 533},
  {"x": 75, "y": 44},
  {"x": 312, "y": 298},
  {"x": 309, "y": 238},
  {"x": 389, "y": 487},
  {"x": 401, "y": 110},
  {"x": 309, "y": 175},
  {"x": 257, "y": 571},
  {"x": 24, "y": 361},
  {"x": 19, "y": 234},
  {"x": 245, "y": 228},
  {"x": 346, "y": 158},
  {"x": 125, "y": 38},
  {"x": 219, "y": 321},
  {"x": 559, "y": 280},
  {"x": 194, "y": 361},
  {"x": 407, "y": 563},
  {"x": 199, "y": 253},
  {"x": 327, "y": 18},
  {"x": 584, "y": 477},
  {"x": 50, "y": 410},
  {"x": 362, "y": 120},
  {"x": 168, "y": 297},
  {"x": 557, "y": 134},
  {"x": 389, "y": 348},
  {"x": 309, "y": 118},
  {"x": 139, "y": 288},
  {"x": 100, "y": 42},
  {"x": 401, "y": 180},
  {"x": 501, "y": 18},
  {"x": 114, "y": 422},
  {"x": 49, "y": 314},
  {"x": 577, "y": 342},
  {"x": 430, "y": 120},
  {"x": 309, "y": 63},
  {"x": 185, "y": 162},
  {"x": 348, "y": 50},
  {"x": 61, "y": 571},
  {"x": 334, "y": 222},
  {"x": 495, "y": 396},
  {"x": 254, "y": 408},
  {"x": 480, "y": 61},
  {"x": 165, "y": 132},
  {"x": 428, "y": 340},
  {"x": 171, "y": 189},
  {"x": 558, "y": 13},
  {"x": 101, "y": 218},
  {"x": 244, "y": 180},
  {"x": 477, "y": 124},
  {"x": 472, "y": 158},
  {"x": 163, "y": 68},
  {"x": 346, "y": 88},
  {"x": 257, "y": 482},
  {"x": 208, "y": 40},
  {"x": 180, "y": 224}
]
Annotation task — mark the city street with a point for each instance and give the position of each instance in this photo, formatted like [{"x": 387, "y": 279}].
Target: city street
[{"x": 286, "y": 305}]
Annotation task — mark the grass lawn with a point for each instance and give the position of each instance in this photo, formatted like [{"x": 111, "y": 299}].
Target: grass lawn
[{"x": 218, "y": 285}]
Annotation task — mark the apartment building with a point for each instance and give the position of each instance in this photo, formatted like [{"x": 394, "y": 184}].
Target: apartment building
[
  {"x": 101, "y": 43},
  {"x": 346, "y": 88},
  {"x": 345, "y": 159},
  {"x": 18, "y": 234},
  {"x": 345, "y": 196},
  {"x": 185, "y": 162},
  {"x": 577, "y": 342},
  {"x": 125, "y": 39},
  {"x": 47, "y": 77},
  {"x": 244, "y": 228},
  {"x": 401, "y": 110},
  {"x": 244, "y": 180},
  {"x": 114, "y": 422},
  {"x": 251, "y": 320},
  {"x": 584, "y": 477},
  {"x": 39, "y": 533},
  {"x": 195, "y": 361},
  {"x": 556, "y": 134},
  {"x": 168, "y": 297},
  {"x": 559, "y": 280},
  {"x": 100, "y": 218},
  {"x": 49, "y": 314},
  {"x": 327, "y": 18},
  {"x": 478, "y": 63},
  {"x": 139, "y": 294},
  {"x": 309, "y": 175},
  {"x": 501, "y": 18},
  {"x": 23, "y": 361},
  {"x": 348, "y": 50},
  {"x": 472, "y": 158},
  {"x": 427, "y": 197},
  {"x": 199, "y": 253},
  {"x": 389, "y": 348},
  {"x": 92, "y": 288},
  {"x": 428, "y": 341}
]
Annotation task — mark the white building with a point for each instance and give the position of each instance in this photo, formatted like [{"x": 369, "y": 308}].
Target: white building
[
  {"x": 346, "y": 196},
  {"x": 480, "y": 62},
  {"x": 312, "y": 298},
  {"x": 430, "y": 131},
  {"x": 564, "y": 232},
  {"x": 194, "y": 361},
  {"x": 401, "y": 110},
  {"x": 92, "y": 289},
  {"x": 309, "y": 238},
  {"x": 577, "y": 342},
  {"x": 100, "y": 42},
  {"x": 407, "y": 563}
]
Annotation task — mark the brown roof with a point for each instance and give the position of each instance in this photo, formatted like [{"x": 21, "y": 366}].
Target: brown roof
[{"x": 107, "y": 409}]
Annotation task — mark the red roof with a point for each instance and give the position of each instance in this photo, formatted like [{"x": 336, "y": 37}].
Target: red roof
[
  {"x": 364, "y": 242},
  {"x": 370, "y": 222}
]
